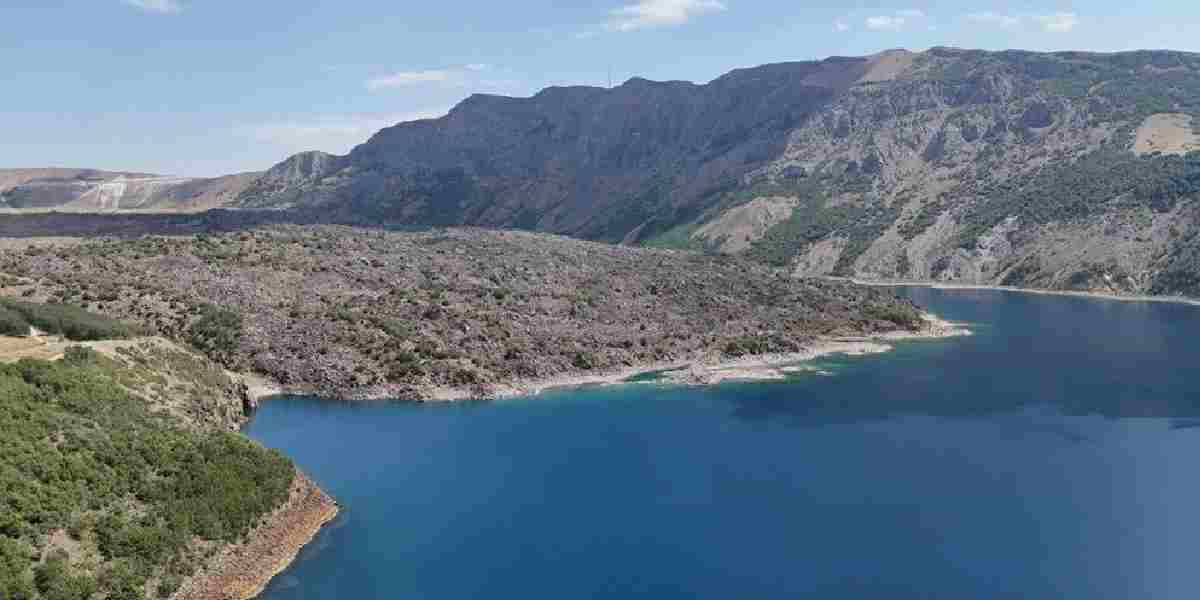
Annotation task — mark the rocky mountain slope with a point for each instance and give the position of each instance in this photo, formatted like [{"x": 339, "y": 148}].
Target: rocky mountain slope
[
  {"x": 88, "y": 190},
  {"x": 361, "y": 312},
  {"x": 1069, "y": 170}
]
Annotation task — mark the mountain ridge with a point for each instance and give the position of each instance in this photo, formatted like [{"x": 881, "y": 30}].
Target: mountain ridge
[
  {"x": 94, "y": 190},
  {"x": 1065, "y": 170},
  {"x": 947, "y": 165}
]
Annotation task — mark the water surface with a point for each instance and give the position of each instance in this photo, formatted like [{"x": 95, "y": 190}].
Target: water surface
[{"x": 1052, "y": 455}]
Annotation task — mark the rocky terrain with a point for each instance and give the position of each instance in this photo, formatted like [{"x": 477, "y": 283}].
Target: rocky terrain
[
  {"x": 1067, "y": 170},
  {"x": 243, "y": 570},
  {"x": 344, "y": 311},
  {"x": 91, "y": 191}
]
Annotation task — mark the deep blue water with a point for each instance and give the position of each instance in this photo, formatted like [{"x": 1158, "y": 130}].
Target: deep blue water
[{"x": 1052, "y": 455}]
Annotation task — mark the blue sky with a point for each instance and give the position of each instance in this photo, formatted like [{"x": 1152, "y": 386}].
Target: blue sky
[{"x": 206, "y": 87}]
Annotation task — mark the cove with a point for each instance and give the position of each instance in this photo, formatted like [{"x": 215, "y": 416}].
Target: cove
[{"x": 1051, "y": 455}]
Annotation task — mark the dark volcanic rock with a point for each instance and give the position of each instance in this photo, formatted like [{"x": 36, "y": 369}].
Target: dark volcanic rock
[
  {"x": 1037, "y": 116},
  {"x": 345, "y": 311}
]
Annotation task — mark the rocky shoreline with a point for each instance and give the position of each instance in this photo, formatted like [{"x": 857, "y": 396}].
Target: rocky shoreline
[
  {"x": 780, "y": 366},
  {"x": 371, "y": 313},
  {"x": 242, "y": 571},
  {"x": 702, "y": 371},
  {"x": 716, "y": 370}
]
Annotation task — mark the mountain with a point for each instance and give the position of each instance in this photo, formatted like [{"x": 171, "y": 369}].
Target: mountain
[
  {"x": 1067, "y": 170},
  {"x": 90, "y": 190},
  {"x": 618, "y": 164}
]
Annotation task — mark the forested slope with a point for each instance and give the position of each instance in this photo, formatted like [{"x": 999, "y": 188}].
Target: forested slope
[{"x": 117, "y": 478}]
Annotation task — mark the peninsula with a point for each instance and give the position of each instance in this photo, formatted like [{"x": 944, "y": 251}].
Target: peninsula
[{"x": 449, "y": 313}]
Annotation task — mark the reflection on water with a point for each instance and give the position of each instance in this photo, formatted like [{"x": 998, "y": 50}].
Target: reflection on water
[{"x": 1052, "y": 455}]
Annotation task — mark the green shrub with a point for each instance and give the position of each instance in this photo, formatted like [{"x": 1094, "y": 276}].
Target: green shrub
[
  {"x": 54, "y": 580},
  {"x": 217, "y": 333},
  {"x": 169, "y": 585},
  {"x": 585, "y": 360},
  {"x": 755, "y": 345},
  {"x": 16, "y": 583},
  {"x": 746, "y": 346},
  {"x": 76, "y": 447},
  {"x": 71, "y": 322},
  {"x": 12, "y": 323},
  {"x": 397, "y": 328},
  {"x": 904, "y": 316}
]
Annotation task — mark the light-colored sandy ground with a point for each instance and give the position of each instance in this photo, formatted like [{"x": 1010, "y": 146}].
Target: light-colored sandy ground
[
  {"x": 38, "y": 242},
  {"x": 741, "y": 226},
  {"x": 50, "y": 347},
  {"x": 10, "y": 178},
  {"x": 887, "y": 65},
  {"x": 13, "y": 349},
  {"x": 1169, "y": 133},
  {"x": 257, "y": 386}
]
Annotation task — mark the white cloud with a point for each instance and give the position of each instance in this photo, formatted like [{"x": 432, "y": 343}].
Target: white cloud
[
  {"x": 1061, "y": 22},
  {"x": 886, "y": 23},
  {"x": 992, "y": 18},
  {"x": 660, "y": 13},
  {"x": 841, "y": 26},
  {"x": 469, "y": 75},
  {"x": 329, "y": 133},
  {"x": 896, "y": 21},
  {"x": 157, "y": 6},
  {"x": 406, "y": 78}
]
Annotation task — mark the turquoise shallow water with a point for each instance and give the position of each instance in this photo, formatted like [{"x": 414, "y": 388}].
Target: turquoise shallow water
[{"x": 1052, "y": 455}]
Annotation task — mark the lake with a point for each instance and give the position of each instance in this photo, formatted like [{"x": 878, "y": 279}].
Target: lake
[{"x": 1052, "y": 455}]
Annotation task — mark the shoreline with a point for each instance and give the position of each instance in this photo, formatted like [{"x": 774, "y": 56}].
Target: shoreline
[
  {"x": 763, "y": 367},
  {"x": 700, "y": 371},
  {"x": 242, "y": 571},
  {"x": 939, "y": 285}
]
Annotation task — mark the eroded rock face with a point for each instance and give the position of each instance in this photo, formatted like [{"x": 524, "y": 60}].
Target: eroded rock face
[
  {"x": 735, "y": 229},
  {"x": 607, "y": 164},
  {"x": 304, "y": 171},
  {"x": 1011, "y": 173},
  {"x": 87, "y": 190},
  {"x": 1168, "y": 133}
]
